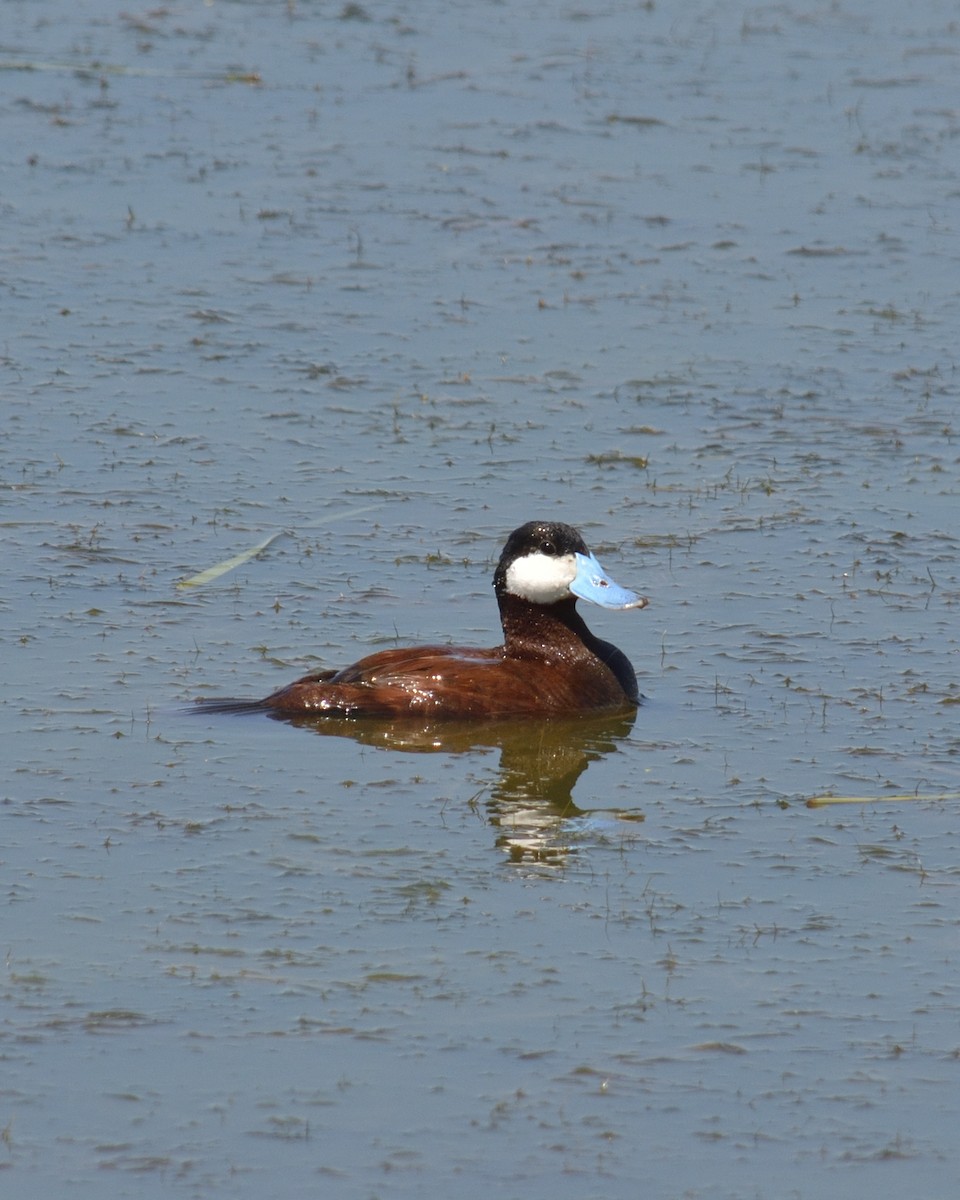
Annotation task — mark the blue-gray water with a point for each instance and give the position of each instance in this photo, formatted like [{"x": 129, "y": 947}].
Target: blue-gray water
[{"x": 391, "y": 279}]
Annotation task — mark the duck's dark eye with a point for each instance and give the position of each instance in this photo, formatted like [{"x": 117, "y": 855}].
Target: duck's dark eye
[{"x": 547, "y": 547}]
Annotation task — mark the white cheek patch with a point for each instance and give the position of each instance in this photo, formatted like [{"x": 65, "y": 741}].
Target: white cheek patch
[{"x": 540, "y": 578}]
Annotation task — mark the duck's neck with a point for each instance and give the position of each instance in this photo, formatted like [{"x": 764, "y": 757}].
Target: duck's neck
[
  {"x": 550, "y": 629},
  {"x": 557, "y": 633}
]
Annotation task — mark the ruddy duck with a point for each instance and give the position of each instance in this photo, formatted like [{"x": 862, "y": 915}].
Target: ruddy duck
[{"x": 550, "y": 664}]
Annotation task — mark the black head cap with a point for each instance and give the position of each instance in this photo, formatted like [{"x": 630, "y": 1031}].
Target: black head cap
[{"x": 552, "y": 538}]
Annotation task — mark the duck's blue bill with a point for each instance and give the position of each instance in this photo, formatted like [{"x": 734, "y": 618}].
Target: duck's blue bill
[{"x": 594, "y": 584}]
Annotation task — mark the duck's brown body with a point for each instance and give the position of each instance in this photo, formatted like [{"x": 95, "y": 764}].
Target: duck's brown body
[{"x": 549, "y": 663}]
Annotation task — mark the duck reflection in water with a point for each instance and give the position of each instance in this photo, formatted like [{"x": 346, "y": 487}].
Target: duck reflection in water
[{"x": 530, "y": 802}]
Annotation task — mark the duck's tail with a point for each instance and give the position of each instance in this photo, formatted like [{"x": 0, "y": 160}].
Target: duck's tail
[{"x": 218, "y": 705}]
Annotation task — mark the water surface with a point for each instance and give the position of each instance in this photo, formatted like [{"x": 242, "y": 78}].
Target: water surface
[{"x": 389, "y": 280}]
